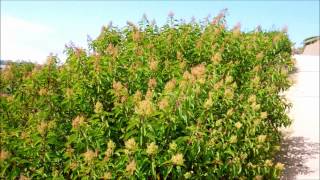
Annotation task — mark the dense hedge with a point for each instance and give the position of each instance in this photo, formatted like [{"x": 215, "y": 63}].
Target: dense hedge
[{"x": 186, "y": 100}]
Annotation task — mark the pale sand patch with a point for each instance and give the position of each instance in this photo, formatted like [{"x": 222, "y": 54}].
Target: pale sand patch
[{"x": 300, "y": 147}]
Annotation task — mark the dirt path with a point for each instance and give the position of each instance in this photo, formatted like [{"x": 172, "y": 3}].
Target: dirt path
[{"x": 300, "y": 148}]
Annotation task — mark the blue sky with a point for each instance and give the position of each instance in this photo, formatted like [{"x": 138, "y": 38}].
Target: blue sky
[{"x": 30, "y": 30}]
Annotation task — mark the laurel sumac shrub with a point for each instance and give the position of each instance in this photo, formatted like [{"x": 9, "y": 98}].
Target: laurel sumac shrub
[{"x": 185, "y": 100}]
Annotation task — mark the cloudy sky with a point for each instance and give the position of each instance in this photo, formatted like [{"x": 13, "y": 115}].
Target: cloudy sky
[{"x": 30, "y": 30}]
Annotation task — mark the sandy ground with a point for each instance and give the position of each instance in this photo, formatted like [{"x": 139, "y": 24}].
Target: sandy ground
[{"x": 300, "y": 148}]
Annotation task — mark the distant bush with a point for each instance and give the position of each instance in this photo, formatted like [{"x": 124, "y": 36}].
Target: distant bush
[
  {"x": 12, "y": 77},
  {"x": 186, "y": 100},
  {"x": 298, "y": 50}
]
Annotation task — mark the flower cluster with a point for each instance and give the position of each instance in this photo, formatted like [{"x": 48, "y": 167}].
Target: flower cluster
[
  {"x": 111, "y": 147},
  {"x": 78, "y": 121},
  {"x": 152, "y": 149},
  {"x": 98, "y": 107},
  {"x": 170, "y": 85},
  {"x": 131, "y": 167},
  {"x": 177, "y": 159},
  {"x": 153, "y": 65},
  {"x": 42, "y": 127},
  {"x": 163, "y": 103},
  {"x": 130, "y": 146},
  {"x": 120, "y": 92},
  {"x": 4, "y": 155},
  {"x": 144, "y": 108},
  {"x": 89, "y": 155}
]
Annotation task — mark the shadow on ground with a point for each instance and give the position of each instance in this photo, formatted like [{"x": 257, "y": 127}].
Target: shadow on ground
[{"x": 295, "y": 151}]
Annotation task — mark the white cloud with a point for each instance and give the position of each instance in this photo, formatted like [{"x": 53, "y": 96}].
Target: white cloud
[{"x": 25, "y": 40}]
